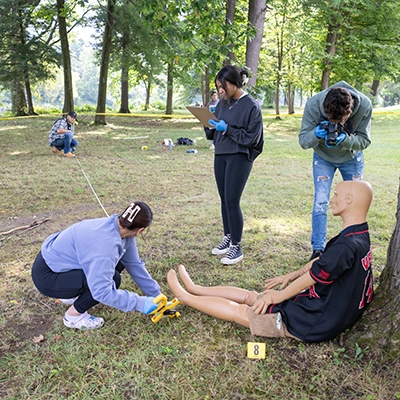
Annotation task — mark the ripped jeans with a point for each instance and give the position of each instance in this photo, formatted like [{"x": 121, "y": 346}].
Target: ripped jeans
[{"x": 323, "y": 172}]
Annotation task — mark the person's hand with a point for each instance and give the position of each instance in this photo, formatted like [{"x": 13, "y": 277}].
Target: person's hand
[
  {"x": 283, "y": 280},
  {"x": 220, "y": 125},
  {"x": 149, "y": 306},
  {"x": 321, "y": 132},
  {"x": 339, "y": 140},
  {"x": 261, "y": 304}
]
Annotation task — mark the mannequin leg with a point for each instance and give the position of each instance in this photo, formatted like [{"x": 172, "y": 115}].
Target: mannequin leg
[
  {"x": 239, "y": 295},
  {"x": 214, "y": 306}
]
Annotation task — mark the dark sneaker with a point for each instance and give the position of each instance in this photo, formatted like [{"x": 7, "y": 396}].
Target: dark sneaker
[
  {"x": 234, "y": 255},
  {"x": 223, "y": 247},
  {"x": 315, "y": 254}
]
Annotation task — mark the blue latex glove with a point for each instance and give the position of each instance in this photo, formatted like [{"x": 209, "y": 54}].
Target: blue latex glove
[
  {"x": 220, "y": 125},
  {"x": 149, "y": 306},
  {"x": 320, "y": 132},
  {"x": 339, "y": 140}
]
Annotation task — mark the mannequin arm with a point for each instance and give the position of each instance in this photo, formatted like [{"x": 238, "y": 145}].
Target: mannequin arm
[
  {"x": 284, "y": 280},
  {"x": 275, "y": 297}
]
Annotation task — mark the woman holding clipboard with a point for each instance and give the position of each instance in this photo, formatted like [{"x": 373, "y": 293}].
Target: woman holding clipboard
[{"x": 238, "y": 139}]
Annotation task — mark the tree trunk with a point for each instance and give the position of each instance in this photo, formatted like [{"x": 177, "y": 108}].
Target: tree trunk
[
  {"x": 62, "y": 28},
  {"x": 206, "y": 86},
  {"x": 229, "y": 21},
  {"x": 379, "y": 327},
  {"x": 256, "y": 18},
  {"x": 330, "y": 52},
  {"x": 105, "y": 59},
  {"x": 170, "y": 88},
  {"x": 31, "y": 110},
  {"x": 124, "y": 108},
  {"x": 290, "y": 98},
  {"x": 148, "y": 91},
  {"x": 277, "y": 112},
  {"x": 18, "y": 100},
  {"x": 374, "y": 87}
]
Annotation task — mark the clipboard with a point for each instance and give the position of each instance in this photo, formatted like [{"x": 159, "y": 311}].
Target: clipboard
[{"x": 203, "y": 114}]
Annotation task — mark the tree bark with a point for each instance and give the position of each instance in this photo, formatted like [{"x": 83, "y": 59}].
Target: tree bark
[
  {"x": 379, "y": 327},
  {"x": 374, "y": 87},
  {"x": 170, "y": 87},
  {"x": 256, "y": 18},
  {"x": 62, "y": 28},
  {"x": 229, "y": 21},
  {"x": 124, "y": 108},
  {"x": 147, "y": 84},
  {"x": 331, "y": 40},
  {"x": 18, "y": 100},
  {"x": 31, "y": 110},
  {"x": 100, "y": 118}
]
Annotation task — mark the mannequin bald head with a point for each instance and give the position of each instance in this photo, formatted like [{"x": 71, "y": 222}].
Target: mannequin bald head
[{"x": 351, "y": 200}]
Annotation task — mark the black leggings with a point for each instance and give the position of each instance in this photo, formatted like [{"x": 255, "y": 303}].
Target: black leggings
[
  {"x": 231, "y": 173},
  {"x": 66, "y": 285}
]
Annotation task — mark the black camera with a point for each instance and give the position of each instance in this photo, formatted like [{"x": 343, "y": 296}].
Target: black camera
[{"x": 333, "y": 131}]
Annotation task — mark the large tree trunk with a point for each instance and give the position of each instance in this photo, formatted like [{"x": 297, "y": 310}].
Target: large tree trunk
[
  {"x": 62, "y": 28},
  {"x": 379, "y": 327},
  {"x": 100, "y": 118},
  {"x": 229, "y": 20},
  {"x": 330, "y": 52},
  {"x": 170, "y": 88},
  {"x": 18, "y": 100},
  {"x": 124, "y": 108},
  {"x": 256, "y": 18}
]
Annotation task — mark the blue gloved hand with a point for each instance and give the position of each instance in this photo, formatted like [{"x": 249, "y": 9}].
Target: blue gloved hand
[
  {"x": 149, "y": 306},
  {"x": 220, "y": 125},
  {"x": 339, "y": 140},
  {"x": 320, "y": 132}
]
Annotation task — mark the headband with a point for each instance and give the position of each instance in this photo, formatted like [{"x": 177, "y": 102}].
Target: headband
[{"x": 131, "y": 212}]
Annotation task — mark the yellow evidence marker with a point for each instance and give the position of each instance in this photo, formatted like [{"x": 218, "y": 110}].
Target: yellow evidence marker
[{"x": 255, "y": 350}]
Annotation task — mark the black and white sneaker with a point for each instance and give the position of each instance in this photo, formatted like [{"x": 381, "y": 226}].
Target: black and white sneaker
[
  {"x": 234, "y": 255},
  {"x": 223, "y": 247}
]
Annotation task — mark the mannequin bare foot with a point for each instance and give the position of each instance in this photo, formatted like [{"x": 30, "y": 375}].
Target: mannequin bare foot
[
  {"x": 187, "y": 281},
  {"x": 178, "y": 291}
]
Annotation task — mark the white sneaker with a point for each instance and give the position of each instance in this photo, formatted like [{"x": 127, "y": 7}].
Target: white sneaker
[
  {"x": 68, "y": 302},
  {"x": 85, "y": 323}
]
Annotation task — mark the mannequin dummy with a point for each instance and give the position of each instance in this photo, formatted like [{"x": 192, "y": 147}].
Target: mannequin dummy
[{"x": 324, "y": 297}]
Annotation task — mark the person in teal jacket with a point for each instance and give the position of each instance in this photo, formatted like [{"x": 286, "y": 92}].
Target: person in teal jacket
[
  {"x": 336, "y": 124},
  {"x": 82, "y": 264}
]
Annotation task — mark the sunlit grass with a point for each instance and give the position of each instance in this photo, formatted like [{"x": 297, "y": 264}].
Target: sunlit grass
[{"x": 194, "y": 356}]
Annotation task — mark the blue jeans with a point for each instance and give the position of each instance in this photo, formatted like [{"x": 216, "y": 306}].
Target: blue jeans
[
  {"x": 65, "y": 143},
  {"x": 323, "y": 172}
]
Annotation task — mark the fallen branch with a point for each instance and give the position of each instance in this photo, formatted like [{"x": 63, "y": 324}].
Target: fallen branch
[{"x": 33, "y": 225}]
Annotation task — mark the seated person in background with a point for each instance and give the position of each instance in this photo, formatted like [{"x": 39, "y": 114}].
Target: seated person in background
[
  {"x": 61, "y": 137},
  {"x": 324, "y": 298}
]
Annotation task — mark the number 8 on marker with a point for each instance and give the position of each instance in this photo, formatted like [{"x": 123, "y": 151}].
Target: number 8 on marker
[{"x": 255, "y": 350}]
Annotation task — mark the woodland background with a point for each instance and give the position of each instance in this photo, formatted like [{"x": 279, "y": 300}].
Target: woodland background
[{"x": 129, "y": 55}]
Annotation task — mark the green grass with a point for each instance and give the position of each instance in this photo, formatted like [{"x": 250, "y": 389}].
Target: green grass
[{"x": 194, "y": 356}]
